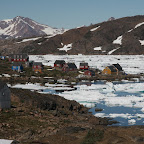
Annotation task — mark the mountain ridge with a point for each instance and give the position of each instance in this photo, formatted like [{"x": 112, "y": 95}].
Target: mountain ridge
[{"x": 124, "y": 36}]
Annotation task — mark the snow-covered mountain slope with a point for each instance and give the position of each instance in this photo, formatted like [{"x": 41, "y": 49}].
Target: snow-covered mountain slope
[{"x": 25, "y": 27}]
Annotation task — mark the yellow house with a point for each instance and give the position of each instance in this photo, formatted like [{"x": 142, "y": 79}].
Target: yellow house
[{"x": 110, "y": 70}]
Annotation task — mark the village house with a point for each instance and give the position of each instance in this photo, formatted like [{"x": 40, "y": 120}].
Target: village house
[
  {"x": 83, "y": 66},
  {"x": 118, "y": 68},
  {"x": 37, "y": 66},
  {"x": 89, "y": 73},
  {"x": 17, "y": 66},
  {"x": 69, "y": 67},
  {"x": 5, "y": 99},
  {"x": 3, "y": 57},
  {"x": 59, "y": 63},
  {"x": 110, "y": 70},
  {"x": 18, "y": 58}
]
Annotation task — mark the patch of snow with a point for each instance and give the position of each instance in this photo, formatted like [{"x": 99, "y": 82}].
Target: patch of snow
[
  {"x": 6, "y": 75},
  {"x": 94, "y": 29},
  {"x": 130, "y": 30},
  {"x": 138, "y": 25},
  {"x": 98, "y": 48},
  {"x": 110, "y": 52},
  {"x": 118, "y": 40},
  {"x": 4, "y": 141},
  {"x": 31, "y": 39},
  {"x": 141, "y": 42},
  {"x": 66, "y": 47}
]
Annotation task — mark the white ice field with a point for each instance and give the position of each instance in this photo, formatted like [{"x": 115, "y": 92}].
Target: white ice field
[{"x": 123, "y": 101}]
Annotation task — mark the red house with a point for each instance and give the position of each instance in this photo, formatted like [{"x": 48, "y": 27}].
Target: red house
[
  {"x": 18, "y": 57},
  {"x": 59, "y": 63},
  {"x": 84, "y": 66},
  {"x": 89, "y": 73},
  {"x": 69, "y": 67}
]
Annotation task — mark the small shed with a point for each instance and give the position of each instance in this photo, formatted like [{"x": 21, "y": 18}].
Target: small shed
[
  {"x": 5, "y": 99},
  {"x": 69, "y": 67},
  {"x": 19, "y": 57},
  {"x": 110, "y": 70},
  {"x": 59, "y": 63},
  {"x": 84, "y": 66},
  {"x": 89, "y": 73},
  {"x": 17, "y": 66},
  {"x": 37, "y": 66}
]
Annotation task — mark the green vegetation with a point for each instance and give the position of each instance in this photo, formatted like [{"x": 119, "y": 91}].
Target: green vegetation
[{"x": 93, "y": 136}]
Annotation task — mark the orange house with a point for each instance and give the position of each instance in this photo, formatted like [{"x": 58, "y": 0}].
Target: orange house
[
  {"x": 37, "y": 67},
  {"x": 110, "y": 70}
]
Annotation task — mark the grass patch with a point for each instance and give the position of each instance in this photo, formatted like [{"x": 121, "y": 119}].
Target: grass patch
[{"x": 93, "y": 136}]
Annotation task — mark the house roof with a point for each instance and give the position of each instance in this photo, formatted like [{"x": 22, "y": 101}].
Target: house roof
[
  {"x": 17, "y": 64},
  {"x": 112, "y": 68},
  {"x": 83, "y": 64},
  {"x": 37, "y": 63},
  {"x": 2, "y": 84},
  {"x": 118, "y": 67},
  {"x": 60, "y": 62},
  {"x": 71, "y": 65},
  {"x": 18, "y": 56}
]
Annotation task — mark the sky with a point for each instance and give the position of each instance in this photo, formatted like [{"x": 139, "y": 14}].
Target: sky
[{"x": 70, "y": 13}]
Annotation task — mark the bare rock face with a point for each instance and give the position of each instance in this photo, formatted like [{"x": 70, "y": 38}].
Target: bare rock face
[{"x": 111, "y": 19}]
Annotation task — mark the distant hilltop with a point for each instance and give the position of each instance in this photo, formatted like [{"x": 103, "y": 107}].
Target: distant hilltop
[{"x": 25, "y": 27}]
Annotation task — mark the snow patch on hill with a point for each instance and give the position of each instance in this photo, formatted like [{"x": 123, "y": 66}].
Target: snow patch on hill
[
  {"x": 138, "y": 25},
  {"x": 94, "y": 29},
  {"x": 31, "y": 39},
  {"x": 118, "y": 40},
  {"x": 66, "y": 47},
  {"x": 141, "y": 42},
  {"x": 110, "y": 52},
  {"x": 98, "y": 48}
]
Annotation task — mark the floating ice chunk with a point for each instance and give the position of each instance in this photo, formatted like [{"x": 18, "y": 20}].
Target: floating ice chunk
[
  {"x": 132, "y": 121},
  {"x": 142, "y": 109}
]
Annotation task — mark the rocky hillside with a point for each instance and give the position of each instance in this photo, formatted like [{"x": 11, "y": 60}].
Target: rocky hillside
[
  {"x": 25, "y": 27},
  {"x": 116, "y": 36},
  {"x": 49, "y": 119}
]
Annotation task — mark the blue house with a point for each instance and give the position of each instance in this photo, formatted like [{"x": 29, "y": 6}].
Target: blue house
[
  {"x": 2, "y": 57},
  {"x": 17, "y": 67}
]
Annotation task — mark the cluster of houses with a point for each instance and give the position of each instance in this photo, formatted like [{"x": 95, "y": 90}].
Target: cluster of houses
[
  {"x": 114, "y": 69},
  {"x": 62, "y": 65},
  {"x": 21, "y": 60}
]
